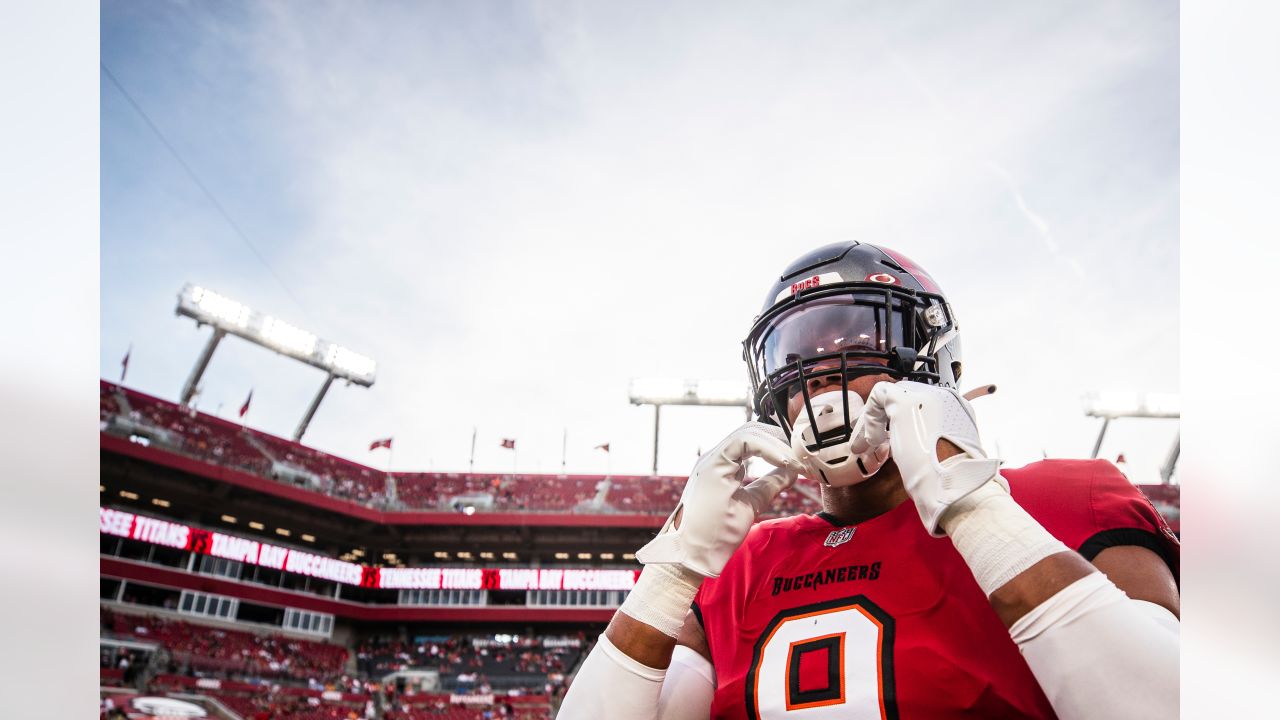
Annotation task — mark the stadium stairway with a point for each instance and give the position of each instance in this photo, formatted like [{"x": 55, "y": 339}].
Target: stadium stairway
[{"x": 260, "y": 447}]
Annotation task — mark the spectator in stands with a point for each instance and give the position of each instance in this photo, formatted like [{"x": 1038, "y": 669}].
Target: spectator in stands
[{"x": 127, "y": 666}]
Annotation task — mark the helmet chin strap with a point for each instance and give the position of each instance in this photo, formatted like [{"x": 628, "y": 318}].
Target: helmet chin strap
[{"x": 837, "y": 465}]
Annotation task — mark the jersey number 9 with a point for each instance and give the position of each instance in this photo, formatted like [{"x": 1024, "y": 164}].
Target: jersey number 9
[{"x": 828, "y": 660}]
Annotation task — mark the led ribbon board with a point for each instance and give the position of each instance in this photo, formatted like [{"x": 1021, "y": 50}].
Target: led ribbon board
[{"x": 252, "y": 552}]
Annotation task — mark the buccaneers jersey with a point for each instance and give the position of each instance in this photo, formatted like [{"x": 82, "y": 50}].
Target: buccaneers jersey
[{"x": 811, "y": 620}]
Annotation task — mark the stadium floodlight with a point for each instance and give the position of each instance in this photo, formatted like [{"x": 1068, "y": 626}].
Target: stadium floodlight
[
  {"x": 1131, "y": 404},
  {"x": 666, "y": 391},
  {"x": 1112, "y": 405},
  {"x": 230, "y": 317}
]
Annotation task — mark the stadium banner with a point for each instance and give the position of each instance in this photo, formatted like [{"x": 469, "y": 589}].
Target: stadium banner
[
  {"x": 252, "y": 552},
  {"x": 427, "y": 578},
  {"x": 206, "y": 542}
]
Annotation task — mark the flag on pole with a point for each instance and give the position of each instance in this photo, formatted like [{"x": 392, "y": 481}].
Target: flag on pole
[
  {"x": 124, "y": 363},
  {"x": 245, "y": 407},
  {"x": 383, "y": 443},
  {"x": 508, "y": 443},
  {"x": 603, "y": 446}
]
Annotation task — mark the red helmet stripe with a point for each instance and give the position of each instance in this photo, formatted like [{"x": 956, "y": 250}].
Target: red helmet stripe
[{"x": 914, "y": 270}]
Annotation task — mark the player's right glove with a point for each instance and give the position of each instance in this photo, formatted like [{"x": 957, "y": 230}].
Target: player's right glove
[
  {"x": 712, "y": 519},
  {"x": 716, "y": 510}
]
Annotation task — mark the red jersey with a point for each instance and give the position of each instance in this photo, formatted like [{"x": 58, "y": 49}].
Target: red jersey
[{"x": 810, "y": 620}]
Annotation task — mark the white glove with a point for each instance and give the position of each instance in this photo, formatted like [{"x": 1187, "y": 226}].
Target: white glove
[
  {"x": 911, "y": 417},
  {"x": 716, "y": 510}
]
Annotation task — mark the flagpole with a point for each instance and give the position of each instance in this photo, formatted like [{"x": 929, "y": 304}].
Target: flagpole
[
  {"x": 471, "y": 468},
  {"x": 389, "y": 483},
  {"x": 564, "y": 450}
]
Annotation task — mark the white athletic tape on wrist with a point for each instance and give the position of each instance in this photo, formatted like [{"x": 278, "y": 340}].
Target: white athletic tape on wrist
[
  {"x": 995, "y": 536},
  {"x": 662, "y": 597}
]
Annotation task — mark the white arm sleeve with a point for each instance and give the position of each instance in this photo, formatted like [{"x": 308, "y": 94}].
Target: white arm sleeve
[
  {"x": 1099, "y": 655},
  {"x": 611, "y": 685},
  {"x": 689, "y": 687}
]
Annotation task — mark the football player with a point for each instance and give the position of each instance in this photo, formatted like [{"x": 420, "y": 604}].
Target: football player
[{"x": 934, "y": 584}]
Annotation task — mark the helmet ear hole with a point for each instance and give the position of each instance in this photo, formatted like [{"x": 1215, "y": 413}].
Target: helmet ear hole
[{"x": 955, "y": 370}]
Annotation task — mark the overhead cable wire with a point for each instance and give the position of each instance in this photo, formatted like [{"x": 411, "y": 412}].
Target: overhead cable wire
[{"x": 191, "y": 173}]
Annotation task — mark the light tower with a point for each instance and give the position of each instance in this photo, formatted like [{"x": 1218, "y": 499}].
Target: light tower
[
  {"x": 1112, "y": 405},
  {"x": 662, "y": 391},
  {"x": 229, "y": 317}
]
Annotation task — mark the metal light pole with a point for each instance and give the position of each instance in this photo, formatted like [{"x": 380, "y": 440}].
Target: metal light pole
[
  {"x": 202, "y": 362},
  {"x": 660, "y": 391},
  {"x": 1110, "y": 406}
]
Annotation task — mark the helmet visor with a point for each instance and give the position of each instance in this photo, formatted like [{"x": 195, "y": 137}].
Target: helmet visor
[{"x": 830, "y": 326}]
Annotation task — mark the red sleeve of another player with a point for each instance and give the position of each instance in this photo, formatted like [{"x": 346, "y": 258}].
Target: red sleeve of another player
[{"x": 1090, "y": 506}]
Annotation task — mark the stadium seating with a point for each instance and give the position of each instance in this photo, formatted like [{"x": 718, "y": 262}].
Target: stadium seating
[
  {"x": 338, "y": 477},
  {"x": 502, "y": 493},
  {"x": 652, "y": 495},
  {"x": 438, "y": 707},
  {"x": 261, "y": 701},
  {"x": 225, "y": 443},
  {"x": 474, "y": 662},
  {"x": 200, "y": 648},
  {"x": 189, "y": 432}
]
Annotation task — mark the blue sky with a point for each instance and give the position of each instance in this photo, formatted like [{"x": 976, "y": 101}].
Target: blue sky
[{"x": 517, "y": 207}]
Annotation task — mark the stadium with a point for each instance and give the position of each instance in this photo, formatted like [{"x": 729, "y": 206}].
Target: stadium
[
  {"x": 254, "y": 577},
  {"x": 329, "y": 584},
  {"x": 523, "y": 223}
]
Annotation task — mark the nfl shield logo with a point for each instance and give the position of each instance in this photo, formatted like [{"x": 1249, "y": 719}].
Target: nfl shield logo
[{"x": 839, "y": 537}]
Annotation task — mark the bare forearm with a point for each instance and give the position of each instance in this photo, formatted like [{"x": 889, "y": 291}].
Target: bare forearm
[
  {"x": 642, "y": 643},
  {"x": 1030, "y": 588}
]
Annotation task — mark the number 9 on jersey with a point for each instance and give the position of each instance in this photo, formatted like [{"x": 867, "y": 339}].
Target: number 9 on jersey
[{"x": 827, "y": 660}]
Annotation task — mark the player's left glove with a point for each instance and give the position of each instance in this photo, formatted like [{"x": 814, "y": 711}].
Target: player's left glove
[{"x": 911, "y": 417}]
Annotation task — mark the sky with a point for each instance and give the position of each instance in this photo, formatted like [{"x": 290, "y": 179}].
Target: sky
[{"x": 518, "y": 207}]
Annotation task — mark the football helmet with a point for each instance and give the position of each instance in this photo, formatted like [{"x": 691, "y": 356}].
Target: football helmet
[{"x": 845, "y": 311}]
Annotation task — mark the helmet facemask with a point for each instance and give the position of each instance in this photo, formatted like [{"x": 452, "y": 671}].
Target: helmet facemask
[{"x": 838, "y": 333}]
